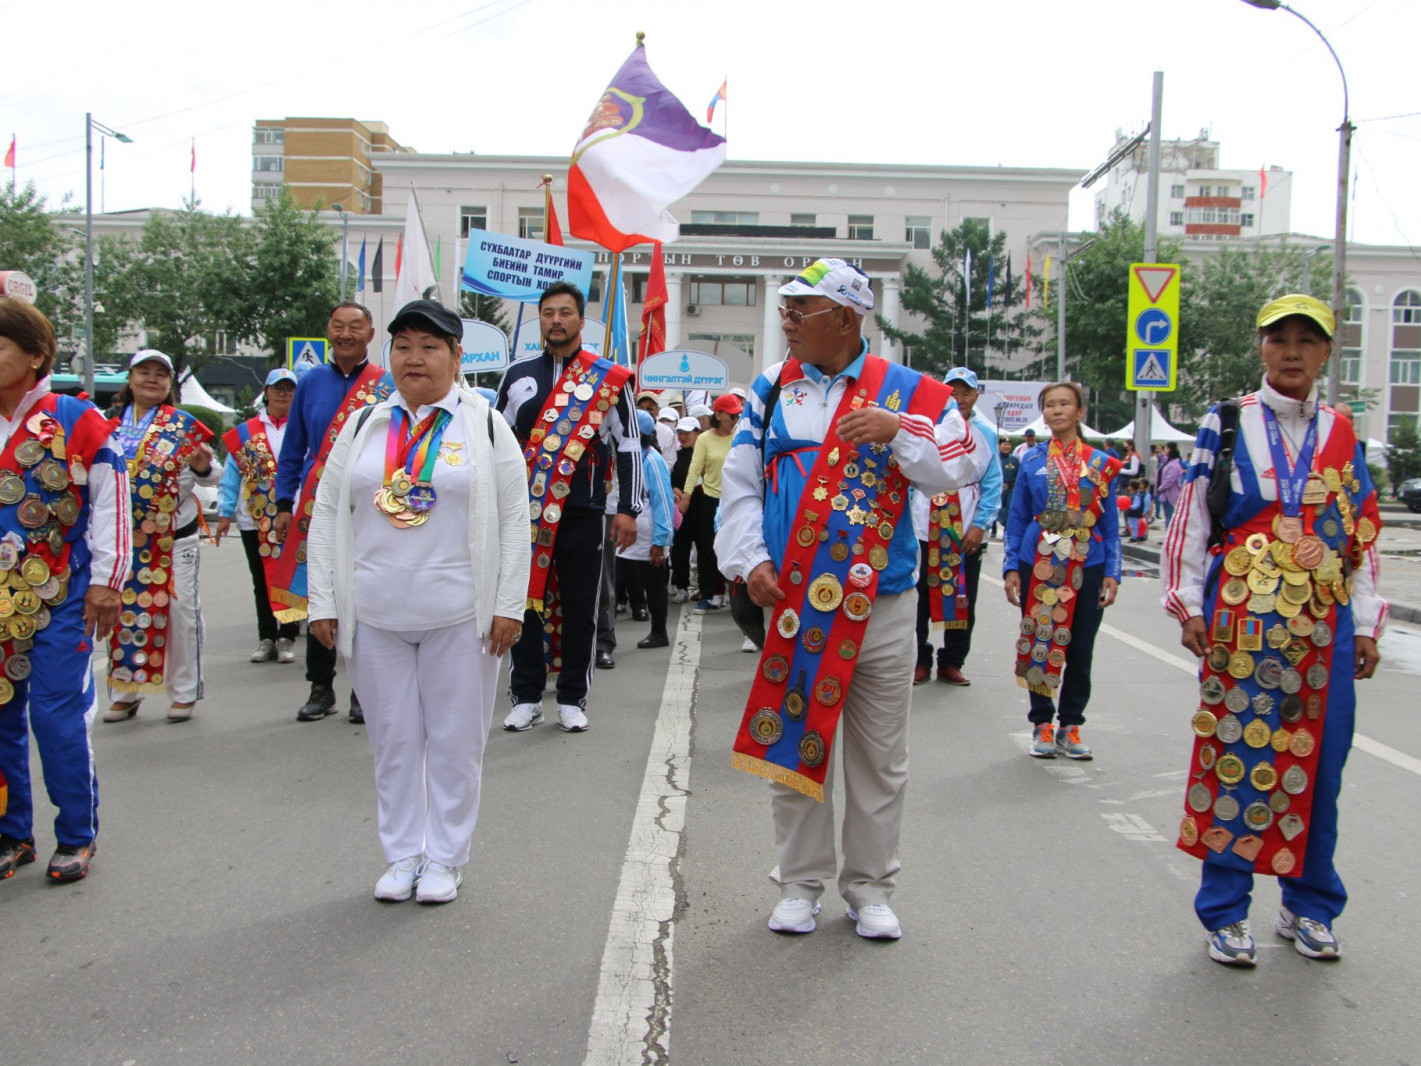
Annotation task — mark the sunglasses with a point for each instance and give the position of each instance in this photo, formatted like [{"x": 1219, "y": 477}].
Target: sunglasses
[{"x": 789, "y": 314}]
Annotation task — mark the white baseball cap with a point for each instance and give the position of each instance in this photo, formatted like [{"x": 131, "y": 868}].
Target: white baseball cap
[{"x": 150, "y": 355}]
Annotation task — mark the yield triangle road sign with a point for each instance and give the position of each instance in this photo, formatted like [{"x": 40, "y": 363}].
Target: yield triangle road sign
[{"x": 1155, "y": 279}]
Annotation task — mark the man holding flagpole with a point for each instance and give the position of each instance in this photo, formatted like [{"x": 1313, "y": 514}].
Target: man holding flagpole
[
  {"x": 573, "y": 414},
  {"x": 813, "y": 494}
]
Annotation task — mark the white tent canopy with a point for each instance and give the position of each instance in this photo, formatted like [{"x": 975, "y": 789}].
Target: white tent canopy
[
  {"x": 1376, "y": 452},
  {"x": 1042, "y": 433},
  {"x": 195, "y": 394},
  {"x": 1161, "y": 432}
]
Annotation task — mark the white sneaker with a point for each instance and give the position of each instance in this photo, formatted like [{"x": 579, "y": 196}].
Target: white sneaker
[
  {"x": 523, "y": 716},
  {"x": 265, "y": 653},
  {"x": 284, "y": 652},
  {"x": 794, "y": 915},
  {"x": 717, "y": 601},
  {"x": 875, "y": 921},
  {"x": 397, "y": 883},
  {"x": 571, "y": 718},
  {"x": 680, "y": 595},
  {"x": 748, "y": 645},
  {"x": 438, "y": 883}
]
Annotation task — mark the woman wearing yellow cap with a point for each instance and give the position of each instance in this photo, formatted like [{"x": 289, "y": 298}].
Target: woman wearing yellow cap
[{"x": 1273, "y": 578}]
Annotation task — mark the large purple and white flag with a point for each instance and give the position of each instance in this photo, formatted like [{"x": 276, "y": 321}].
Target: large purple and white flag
[{"x": 640, "y": 153}]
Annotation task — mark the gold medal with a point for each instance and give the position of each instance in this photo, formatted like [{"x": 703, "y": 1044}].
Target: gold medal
[
  {"x": 1234, "y": 592},
  {"x": 1240, "y": 665},
  {"x": 1263, "y": 777},
  {"x": 1257, "y": 734},
  {"x": 826, "y": 593},
  {"x": 1204, "y": 723}
]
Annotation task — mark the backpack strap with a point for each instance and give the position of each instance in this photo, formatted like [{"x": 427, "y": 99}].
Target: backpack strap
[{"x": 1218, "y": 498}]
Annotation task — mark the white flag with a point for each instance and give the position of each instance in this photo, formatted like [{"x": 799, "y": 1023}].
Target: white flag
[
  {"x": 414, "y": 275},
  {"x": 967, "y": 277}
]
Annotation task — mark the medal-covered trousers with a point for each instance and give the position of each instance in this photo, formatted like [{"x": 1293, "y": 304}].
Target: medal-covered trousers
[
  {"x": 872, "y": 741},
  {"x": 428, "y": 697},
  {"x": 1074, "y": 693},
  {"x": 1225, "y": 893},
  {"x": 182, "y": 666},
  {"x": 61, "y": 699},
  {"x": 956, "y": 643},
  {"x": 577, "y": 559}
]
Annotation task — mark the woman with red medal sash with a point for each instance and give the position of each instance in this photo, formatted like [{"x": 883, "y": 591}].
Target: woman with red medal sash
[
  {"x": 157, "y": 644},
  {"x": 432, "y": 486},
  {"x": 64, "y": 527},
  {"x": 1061, "y": 565},
  {"x": 1277, "y": 595}
]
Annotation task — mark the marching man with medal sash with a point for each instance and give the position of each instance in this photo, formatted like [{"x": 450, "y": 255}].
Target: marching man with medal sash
[
  {"x": 814, "y": 489},
  {"x": 1061, "y": 566},
  {"x": 326, "y": 396},
  {"x": 157, "y": 644},
  {"x": 573, "y": 415},
  {"x": 1274, "y": 583},
  {"x": 250, "y": 483},
  {"x": 64, "y": 551}
]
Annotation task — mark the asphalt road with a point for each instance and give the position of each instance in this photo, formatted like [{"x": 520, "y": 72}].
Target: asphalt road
[{"x": 1047, "y": 916}]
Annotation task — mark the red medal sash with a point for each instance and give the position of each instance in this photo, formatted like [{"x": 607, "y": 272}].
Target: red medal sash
[
  {"x": 1049, "y": 598},
  {"x": 947, "y": 565},
  {"x": 137, "y": 649},
  {"x": 287, "y": 591},
  {"x": 1264, "y": 682},
  {"x": 569, "y": 422},
  {"x": 250, "y": 448},
  {"x": 831, "y": 570}
]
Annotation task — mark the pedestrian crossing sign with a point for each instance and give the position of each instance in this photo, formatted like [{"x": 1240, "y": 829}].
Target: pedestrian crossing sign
[
  {"x": 1152, "y": 338},
  {"x": 308, "y": 351}
]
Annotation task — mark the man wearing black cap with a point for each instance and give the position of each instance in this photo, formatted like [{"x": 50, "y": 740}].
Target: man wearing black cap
[
  {"x": 322, "y": 394},
  {"x": 573, "y": 414}
]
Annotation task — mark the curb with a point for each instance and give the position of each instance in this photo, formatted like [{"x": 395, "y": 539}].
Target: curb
[{"x": 1399, "y": 612}]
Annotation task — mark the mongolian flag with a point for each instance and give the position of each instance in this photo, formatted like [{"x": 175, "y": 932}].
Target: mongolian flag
[
  {"x": 640, "y": 153},
  {"x": 377, "y": 268},
  {"x": 653, "y": 308}
]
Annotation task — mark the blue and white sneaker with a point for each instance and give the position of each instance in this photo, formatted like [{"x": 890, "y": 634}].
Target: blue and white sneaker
[
  {"x": 1043, "y": 741},
  {"x": 713, "y": 603},
  {"x": 1311, "y": 937},
  {"x": 1233, "y": 945},
  {"x": 1070, "y": 744}
]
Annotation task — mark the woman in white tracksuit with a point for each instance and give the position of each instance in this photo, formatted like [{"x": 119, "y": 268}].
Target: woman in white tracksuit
[{"x": 434, "y": 490}]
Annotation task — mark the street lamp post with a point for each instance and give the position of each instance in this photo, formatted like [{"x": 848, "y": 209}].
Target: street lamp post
[
  {"x": 1344, "y": 154},
  {"x": 344, "y": 246},
  {"x": 89, "y": 127}
]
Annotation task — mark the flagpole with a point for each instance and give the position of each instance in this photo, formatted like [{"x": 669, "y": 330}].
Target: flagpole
[{"x": 609, "y": 304}]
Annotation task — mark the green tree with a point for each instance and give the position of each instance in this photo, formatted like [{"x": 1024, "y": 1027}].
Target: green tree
[
  {"x": 290, "y": 276},
  {"x": 956, "y": 323},
  {"x": 31, "y": 242},
  {"x": 485, "y": 308},
  {"x": 1403, "y": 458}
]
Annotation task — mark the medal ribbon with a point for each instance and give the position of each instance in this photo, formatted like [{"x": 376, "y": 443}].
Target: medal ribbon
[
  {"x": 1291, "y": 477},
  {"x": 1066, "y": 466},
  {"x": 287, "y": 590},
  {"x": 248, "y": 444},
  {"x": 949, "y": 594},
  {"x": 417, "y": 447},
  {"x": 821, "y": 676}
]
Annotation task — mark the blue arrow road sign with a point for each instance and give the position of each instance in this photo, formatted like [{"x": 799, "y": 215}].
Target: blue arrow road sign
[
  {"x": 1153, "y": 327},
  {"x": 1152, "y": 368}
]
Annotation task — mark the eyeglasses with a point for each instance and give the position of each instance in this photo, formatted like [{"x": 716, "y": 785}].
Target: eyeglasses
[{"x": 789, "y": 314}]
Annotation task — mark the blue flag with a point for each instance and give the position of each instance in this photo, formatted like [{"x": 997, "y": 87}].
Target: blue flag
[
  {"x": 360, "y": 268},
  {"x": 991, "y": 278},
  {"x": 621, "y": 349}
]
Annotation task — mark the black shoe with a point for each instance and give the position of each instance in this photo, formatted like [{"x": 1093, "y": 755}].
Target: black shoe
[
  {"x": 641, "y": 614},
  {"x": 654, "y": 640},
  {"x": 320, "y": 703},
  {"x": 605, "y": 661},
  {"x": 14, "y": 853},
  {"x": 357, "y": 713},
  {"x": 70, "y": 862}
]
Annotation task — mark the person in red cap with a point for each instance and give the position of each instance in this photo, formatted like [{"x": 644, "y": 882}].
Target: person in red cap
[{"x": 706, "y": 463}]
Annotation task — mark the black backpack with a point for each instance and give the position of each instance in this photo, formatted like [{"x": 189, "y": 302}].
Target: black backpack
[{"x": 1218, "y": 498}]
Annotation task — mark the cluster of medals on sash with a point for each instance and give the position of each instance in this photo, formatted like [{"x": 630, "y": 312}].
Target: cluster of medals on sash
[
  {"x": 140, "y": 636},
  {"x": 1065, "y": 535},
  {"x": 404, "y": 501},
  {"x": 261, "y": 498},
  {"x": 944, "y": 557},
  {"x": 549, "y": 436},
  {"x": 28, "y": 589},
  {"x": 44, "y": 519}
]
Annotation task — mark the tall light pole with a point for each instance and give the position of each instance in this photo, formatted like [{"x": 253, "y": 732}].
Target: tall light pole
[
  {"x": 89, "y": 127},
  {"x": 1339, "y": 252},
  {"x": 344, "y": 246}
]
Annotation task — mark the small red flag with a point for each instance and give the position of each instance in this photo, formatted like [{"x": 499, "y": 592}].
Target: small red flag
[
  {"x": 553, "y": 232},
  {"x": 10, "y": 155},
  {"x": 653, "y": 308},
  {"x": 193, "y": 168},
  {"x": 399, "y": 254},
  {"x": 1262, "y": 183},
  {"x": 1028, "y": 279}
]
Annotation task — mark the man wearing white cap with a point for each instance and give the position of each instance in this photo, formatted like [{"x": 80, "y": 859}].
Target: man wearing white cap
[
  {"x": 251, "y": 480},
  {"x": 813, "y": 493},
  {"x": 666, "y": 420}
]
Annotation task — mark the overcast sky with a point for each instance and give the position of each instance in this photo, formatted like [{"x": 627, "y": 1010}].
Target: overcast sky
[{"x": 1012, "y": 82}]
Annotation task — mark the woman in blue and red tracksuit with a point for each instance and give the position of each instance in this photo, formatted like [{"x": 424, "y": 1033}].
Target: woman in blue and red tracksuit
[{"x": 65, "y": 532}]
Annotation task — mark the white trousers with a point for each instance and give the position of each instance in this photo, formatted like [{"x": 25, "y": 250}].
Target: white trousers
[
  {"x": 428, "y": 698},
  {"x": 872, "y": 741},
  {"x": 183, "y": 639}
]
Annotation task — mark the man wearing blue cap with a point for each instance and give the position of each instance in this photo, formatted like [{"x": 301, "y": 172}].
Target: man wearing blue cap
[
  {"x": 952, "y": 536},
  {"x": 251, "y": 480}
]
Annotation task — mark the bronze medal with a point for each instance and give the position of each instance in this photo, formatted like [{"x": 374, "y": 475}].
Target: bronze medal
[
  {"x": 1283, "y": 862},
  {"x": 1309, "y": 551},
  {"x": 848, "y": 649},
  {"x": 1188, "y": 832},
  {"x": 766, "y": 726},
  {"x": 1302, "y": 744},
  {"x": 857, "y": 606},
  {"x": 814, "y": 640},
  {"x": 1216, "y": 838},
  {"x": 776, "y": 669},
  {"x": 52, "y": 475},
  {"x": 32, "y": 512},
  {"x": 12, "y": 489},
  {"x": 65, "y": 510},
  {"x": 29, "y": 453},
  {"x": 1288, "y": 528},
  {"x": 811, "y": 749},
  {"x": 1248, "y": 847},
  {"x": 828, "y": 691}
]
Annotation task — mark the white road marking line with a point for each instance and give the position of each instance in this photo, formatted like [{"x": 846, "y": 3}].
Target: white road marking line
[
  {"x": 631, "y": 1018},
  {"x": 1363, "y": 743},
  {"x": 1132, "y": 827}
]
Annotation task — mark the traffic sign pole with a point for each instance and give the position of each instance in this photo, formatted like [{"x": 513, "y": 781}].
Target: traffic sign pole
[{"x": 1144, "y": 402}]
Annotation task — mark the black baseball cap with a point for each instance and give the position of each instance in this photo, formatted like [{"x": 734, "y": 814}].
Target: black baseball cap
[{"x": 426, "y": 314}]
